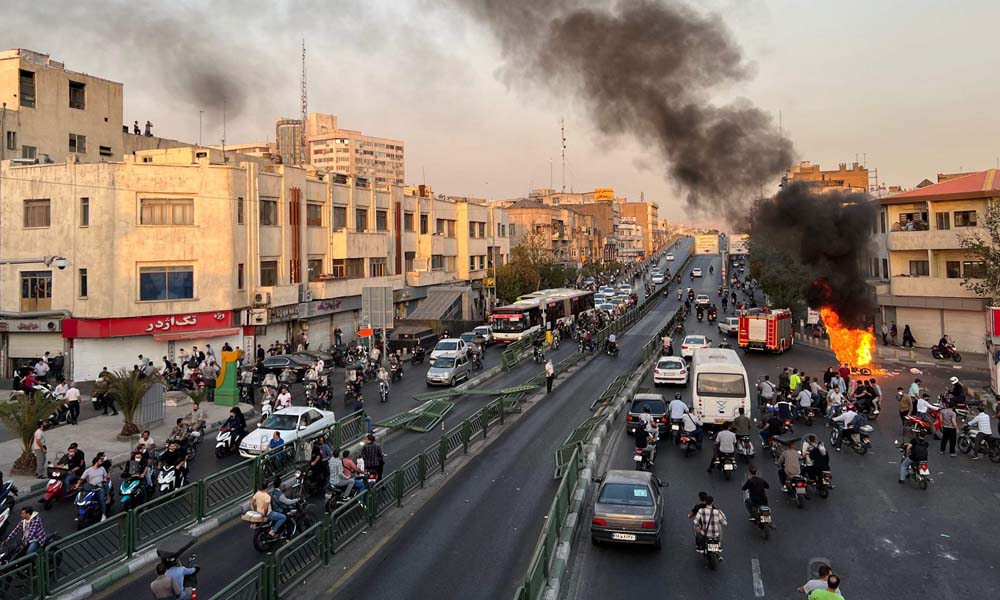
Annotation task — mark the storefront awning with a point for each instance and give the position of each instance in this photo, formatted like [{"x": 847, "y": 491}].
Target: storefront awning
[{"x": 195, "y": 335}]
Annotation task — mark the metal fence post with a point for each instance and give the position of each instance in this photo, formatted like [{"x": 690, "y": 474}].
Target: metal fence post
[
  {"x": 485, "y": 418},
  {"x": 370, "y": 506},
  {"x": 336, "y": 437},
  {"x": 443, "y": 451},
  {"x": 466, "y": 433},
  {"x": 422, "y": 468},
  {"x": 502, "y": 400},
  {"x": 399, "y": 487}
]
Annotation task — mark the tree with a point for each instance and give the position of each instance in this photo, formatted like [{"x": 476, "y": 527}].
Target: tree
[
  {"x": 21, "y": 416},
  {"x": 985, "y": 248},
  {"x": 128, "y": 388}
]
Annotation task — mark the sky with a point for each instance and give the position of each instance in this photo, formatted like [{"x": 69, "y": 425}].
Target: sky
[{"x": 902, "y": 85}]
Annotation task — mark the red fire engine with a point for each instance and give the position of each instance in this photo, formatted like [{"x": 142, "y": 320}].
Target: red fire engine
[{"x": 766, "y": 329}]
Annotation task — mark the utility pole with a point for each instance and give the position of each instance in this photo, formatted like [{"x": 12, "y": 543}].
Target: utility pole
[
  {"x": 562, "y": 133},
  {"x": 305, "y": 108},
  {"x": 200, "y": 113}
]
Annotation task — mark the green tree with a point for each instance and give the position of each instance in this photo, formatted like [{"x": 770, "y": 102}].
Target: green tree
[
  {"x": 985, "y": 246},
  {"x": 21, "y": 416},
  {"x": 128, "y": 388}
]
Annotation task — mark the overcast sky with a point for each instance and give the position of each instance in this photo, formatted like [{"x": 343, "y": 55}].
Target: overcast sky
[{"x": 910, "y": 84}]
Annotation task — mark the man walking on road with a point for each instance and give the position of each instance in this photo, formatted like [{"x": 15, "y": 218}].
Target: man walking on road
[
  {"x": 550, "y": 373},
  {"x": 949, "y": 428},
  {"x": 38, "y": 448}
]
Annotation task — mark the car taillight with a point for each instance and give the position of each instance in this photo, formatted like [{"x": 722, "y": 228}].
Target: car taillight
[
  {"x": 630, "y": 418},
  {"x": 683, "y": 371},
  {"x": 684, "y": 347},
  {"x": 663, "y": 420},
  {"x": 599, "y": 522},
  {"x": 649, "y": 524}
]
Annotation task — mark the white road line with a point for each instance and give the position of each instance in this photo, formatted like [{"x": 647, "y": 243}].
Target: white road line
[
  {"x": 885, "y": 497},
  {"x": 758, "y": 584}
]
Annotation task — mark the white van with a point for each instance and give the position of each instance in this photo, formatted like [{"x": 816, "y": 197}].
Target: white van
[{"x": 719, "y": 386}]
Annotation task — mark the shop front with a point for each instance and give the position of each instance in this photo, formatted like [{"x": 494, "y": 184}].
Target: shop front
[
  {"x": 27, "y": 340},
  {"x": 117, "y": 343}
]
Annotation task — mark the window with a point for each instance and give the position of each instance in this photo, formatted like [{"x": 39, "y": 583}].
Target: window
[
  {"x": 376, "y": 267},
  {"x": 27, "y": 88},
  {"x": 381, "y": 220},
  {"x": 973, "y": 269},
  {"x": 360, "y": 219},
  {"x": 472, "y": 229},
  {"x": 953, "y": 269},
  {"x": 445, "y": 227},
  {"x": 724, "y": 385},
  {"x": 12, "y": 140},
  {"x": 314, "y": 215},
  {"x": 510, "y": 230},
  {"x": 37, "y": 213},
  {"x": 408, "y": 258},
  {"x": 83, "y": 283},
  {"x": 920, "y": 268},
  {"x": 472, "y": 263},
  {"x": 36, "y": 290},
  {"x": 424, "y": 227},
  {"x": 965, "y": 218},
  {"x": 437, "y": 262},
  {"x": 28, "y": 151},
  {"x": 407, "y": 221},
  {"x": 84, "y": 212},
  {"x": 482, "y": 229},
  {"x": 240, "y": 211},
  {"x": 268, "y": 273},
  {"x": 943, "y": 220},
  {"x": 241, "y": 281},
  {"x": 77, "y": 95},
  {"x": 314, "y": 268},
  {"x": 885, "y": 268},
  {"x": 268, "y": 211},
  {"x": 348, "y": 268},
  {"x": 339, "y": 217},
  {"x": 166, "y": 283},
  {"x": 105, "y": 151},
  {"x": 166, "y": 211},
  {"x": 77, "y": 143}
]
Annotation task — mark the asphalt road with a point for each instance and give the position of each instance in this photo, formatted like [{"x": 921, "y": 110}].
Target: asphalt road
[
  {"x": 233, "y": 541},
  {"x": 885, "y": 540},
  {"x": 474, "y": 538}
]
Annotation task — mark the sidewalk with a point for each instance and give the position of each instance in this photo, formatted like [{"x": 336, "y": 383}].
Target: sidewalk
[
  {"x": 914, "y": 356},
  {"x": 100, "y": 433}
]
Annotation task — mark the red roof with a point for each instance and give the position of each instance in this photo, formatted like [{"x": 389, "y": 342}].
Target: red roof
[{"x": 969, "y": 185}]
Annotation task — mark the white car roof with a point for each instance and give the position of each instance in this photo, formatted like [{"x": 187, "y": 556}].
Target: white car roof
[
  {"x": 449, "y": 340},
  {"x": 695, "y": 337},
  {"x": 298, "y": 410}
]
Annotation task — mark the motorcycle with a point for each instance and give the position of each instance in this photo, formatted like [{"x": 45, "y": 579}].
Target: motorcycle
[
  {"x": 225, "y": 442},
  {"x": 969, "y": 436},
  {"x": 246, "y": 394},
  {"x": 744, "y": 447},
  {"x": 860, "y": 441},
  {"x": 418, "y": 356},
  {"x": 15, "y": 550},
  {"x": 266, "y": 408},
  {"x": 822, "y": 484},
  {"x": 169, "y": 552},
  {"x": 477, "y": 359},
  {"x": 396, "y": 370},
  {"x": 55, "y": 490},
  {"x": 700, "y": 314},
  {"x": 311, "y": 479},
  {"x": 795, "y": 488},
  {"x": 8, "y": 491},
  {"x": 726, "y": 463},
  {"x": 612, "y": 349},
  {"x": 641, "y": 459},
  {"x": 762, "y": 520},
  {"x": 335, "y": 498},
  {"x": 713, "y": 551},
  {"x": 918, "y": 472},
  {"x": 298, "y": 521},
  {"x": 310, "y": 393},
  {"x": 688, "y": 443},
  {"x": 713, "y": 315},
  {"x": 132, "y": 492},
  {"x": 944, "y": 352},
  {"x": 88, "y": 507},
  {"x": 537, "y": 355},
  {"x": 169, "y": 479},
  {"x": 383, "y": 391}
]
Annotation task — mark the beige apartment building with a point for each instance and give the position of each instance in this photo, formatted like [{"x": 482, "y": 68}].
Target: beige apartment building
[
  {"x": 926, "y": 262},
  {"x": 647, "y": 216},
  {"x": 599, "y": 204},
  {"x": 565, "y": 235},
  {"x": 180, "y": 247},
  {"x": 853, "y": 178}
]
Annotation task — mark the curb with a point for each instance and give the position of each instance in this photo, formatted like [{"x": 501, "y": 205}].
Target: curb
[{"x": 893, "y": 356}]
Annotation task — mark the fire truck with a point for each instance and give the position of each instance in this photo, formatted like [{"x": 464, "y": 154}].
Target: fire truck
[{"x": 765, "y": 329}]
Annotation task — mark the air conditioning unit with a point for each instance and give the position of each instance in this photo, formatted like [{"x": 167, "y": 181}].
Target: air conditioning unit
[
  {"x": 255, "y": 317},
  {"x": 262, "y": 298},
  {"x": 308, "y": 295}
]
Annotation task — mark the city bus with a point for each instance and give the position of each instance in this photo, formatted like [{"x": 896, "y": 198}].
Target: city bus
[
  {"x": 524, "y": 317},
  {"x": 720, "y": 386}
]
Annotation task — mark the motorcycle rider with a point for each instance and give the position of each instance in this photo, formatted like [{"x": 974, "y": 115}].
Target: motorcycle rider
[
  {"x": 708, "y": 523},
  {"x": 756, "y": 488},
  {"x": 815, "y": 457},
  {"x": 180, "y": 431},
  {"x": 766, "y": 389},
  {"x": 789, "y": 465},
  {"x": 914, "y": 452},
  {"x": 262, "y": 502},
  {"x": 196, "y": 419},
  {"x": 804, "y": 399},
  {"x": 725, "y": 445},
  {"x": 742, "y": 425},
  {"x": 75, "y": 463},
  {"x": 284, "y": 399},
  {"x": 642, "y": 442},
  {"x": 175, "y": 456},
  {"x": 612, "y": 343},
  {"x": 373, "y": 456},
  {"x": 271, "y": 381},
  {"x": 96, "y": 479},
  {"x": 980, "y": 423},
  {"x": 691, "y": 424},
  {"x": 30, "y": 529},
  {"x": 536, "y": 347},
  {"x": 957, "y": 393},
  {"x": 847, "y": 418}
]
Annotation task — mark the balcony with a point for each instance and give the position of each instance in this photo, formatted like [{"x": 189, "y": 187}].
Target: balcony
[
  {"x": 356, "y": 244},
  {"x": 929, "y": 286},
  {"x": 341, "y": 288},
  {"x": 934, "y": 239},
  {"x": 425, "y": 278}
]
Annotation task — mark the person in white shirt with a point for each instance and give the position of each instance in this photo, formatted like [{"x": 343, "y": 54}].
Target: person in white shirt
[
  {"x": 725, "y": 444},
  {"x": 692, "y": 426},
  {"x": 320, "y": 365},
  {"x": 984, "y": 428},
  {"x": 847, "y": 418},
  {"x": 833, "y": 399},
  {"x": 767, "y": 388},
  {"x": 677, "y": 408},
  {"x": 72, "y": 396},
  {"x": 804, "y": 399},
  {"x": 60, "y": 391},
  {"x": 284, "y": 399},
  {"x": 923, "y": 406}
]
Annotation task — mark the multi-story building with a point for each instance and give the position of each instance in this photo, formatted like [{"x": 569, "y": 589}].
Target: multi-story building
[
  {"x": 180, "y": 247},
  {"x": 844, "y": 179},
  {"x": 647, "y": 217},
  {"x": 288, "y": 140},
  {"x": 562, "y": 233},
  {"x": 630, "y": 244},
  {"x": 599, "y": 204},
  {"x": 926, "y": 261}
]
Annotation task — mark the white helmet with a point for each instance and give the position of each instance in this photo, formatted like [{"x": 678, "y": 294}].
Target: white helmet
[{"x": 953, "y": 380}]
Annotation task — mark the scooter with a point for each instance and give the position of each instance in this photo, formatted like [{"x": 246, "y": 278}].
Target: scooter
[
  {"x": 418, "y": 356},
  {"x": 8, "y": 491},
  {"x": 298, "y": 520},
  {"x": 55, "y": 490},
  {"x": 225, "y": 442},
  {"x": 383, "y": 391},
  {"x": 169, "y": 479},
  {"x": 266, "y": 408},
  {"x": 396, "y": 370},
  {"x": 744, "y": 447},
  {"x": 763, "y": 520},
  {"x": 132, "y": 492},
  {"x": 310, "y": 393},
  {"x": 88, "y": 508},
  {"x": 795, "y": 488}
]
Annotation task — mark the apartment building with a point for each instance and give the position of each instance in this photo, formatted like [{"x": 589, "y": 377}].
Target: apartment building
[
  {"x": 630, "y": 243},
  {"x": 564, "y": 234},
  {"x": 179, "y": 247},
  {"x": 926, "y": 262},
  {"x": 853, "y": 178},
  {"x": 647, "y": 216}
]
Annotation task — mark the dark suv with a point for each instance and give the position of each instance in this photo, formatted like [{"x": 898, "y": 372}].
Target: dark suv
[{"x": 657, "y": 408}]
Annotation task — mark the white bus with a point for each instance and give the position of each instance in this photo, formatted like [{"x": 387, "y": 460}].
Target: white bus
[
  {"x": 720, "y": 386},
  {"x": 524, "y": 317}
]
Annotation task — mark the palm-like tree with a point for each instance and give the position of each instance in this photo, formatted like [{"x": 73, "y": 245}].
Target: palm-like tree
[
  {"x": 21, "y": 416},
  {"x": 127, "y": 388}
]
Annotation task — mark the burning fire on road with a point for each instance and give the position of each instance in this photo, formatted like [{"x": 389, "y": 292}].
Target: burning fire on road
[{"x": 852, "y": 346}]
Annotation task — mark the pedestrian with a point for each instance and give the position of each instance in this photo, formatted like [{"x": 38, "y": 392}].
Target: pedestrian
[
  {"x": 338, "y": 336},
  {"x": 260, "y": 353},
  {"x": 885, "y": 334},
  {"x": 73, "y": 403},
  {"x": 949, "y": 429},
  {"x": 550, "y": 374},
  {"x": 211, "y": 373},
  {"x": 38, "y": 448},
  {"x": 209, "y": 352},
  {"x": 305, "y": 340},
  {"x": 149, "y": 129},
  {"x": 908, "y": 340},
  {"x": 845, "y": 377},
  {"x": 893, "y": 332},
  {"x": 905, "y": 405},
  {"x": 135, "y": 128},
  {"x": 374, "y": 458},
  {"x": 831, "y": 592}
]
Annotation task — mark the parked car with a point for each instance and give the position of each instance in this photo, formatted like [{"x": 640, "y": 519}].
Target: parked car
[
  {"x": 670, "y": 369},
  {"x": 729, "y": 326},
  {"x": 657, "y": 407},
  {"x": 693, "y": 342},
  {"x": 628, "y": 508},
  {"x": 702, "y": 300},
  {"x": 485, "y": 332},
  {"x": 450, "y": 347},
  {"x": 448, "y": 370},
  {"x": 277, "y": 364},
  {"x": 291, "y": 424}
]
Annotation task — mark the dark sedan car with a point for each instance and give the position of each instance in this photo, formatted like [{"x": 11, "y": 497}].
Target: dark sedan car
[
  {"x": 628, "y": 509},
  {"x": 329, "y": 359},
  {"x": 277, "y": 364}
]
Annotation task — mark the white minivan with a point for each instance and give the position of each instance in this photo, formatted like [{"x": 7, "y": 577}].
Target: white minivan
[{"x": 720, "y": 386}]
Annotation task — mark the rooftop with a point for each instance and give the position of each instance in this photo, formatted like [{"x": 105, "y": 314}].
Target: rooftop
[{"x": 973, "y": 185}]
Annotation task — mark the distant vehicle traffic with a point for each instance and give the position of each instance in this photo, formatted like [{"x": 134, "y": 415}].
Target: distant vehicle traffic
[
  {"x": 290, "y": 423},
  {"x": 696, "y": 272},
  {"x": 670, "y": 369},
  {"x": 692, "y": 343}
]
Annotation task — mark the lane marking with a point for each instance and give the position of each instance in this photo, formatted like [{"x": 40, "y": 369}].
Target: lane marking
[
  {"x": 758, "y": 583},
  {"x": 887, "y": 500}
]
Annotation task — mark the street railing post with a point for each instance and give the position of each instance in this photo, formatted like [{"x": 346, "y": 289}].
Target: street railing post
[
  {"x": 399, "y": 487},
  {"x": 443, "y": 450},
  {"x": 466, "y": 433},
  {"x": 422, "y": 467}
]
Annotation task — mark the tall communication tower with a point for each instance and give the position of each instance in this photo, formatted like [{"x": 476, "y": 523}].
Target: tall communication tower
[
  {"x": 305, "y": 109},
  {"x": 562, "y": 133}
]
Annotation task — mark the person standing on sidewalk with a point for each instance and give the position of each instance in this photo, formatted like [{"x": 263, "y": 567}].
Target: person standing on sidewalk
[
  {"x": 550, "y": 374},
  {"x": 38, "y": 448},
  {"x": 908, "y": 340},
  {"x": 949, "y": 428},
  {"x": 893, "y": 332},
  {"x": 885, "y": 334},
  {"x": 211, "y": 373},
  {"x": 73, "y": 403}
]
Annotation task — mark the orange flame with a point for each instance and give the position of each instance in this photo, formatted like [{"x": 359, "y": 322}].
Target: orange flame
[{"x": 852, "y": 346}]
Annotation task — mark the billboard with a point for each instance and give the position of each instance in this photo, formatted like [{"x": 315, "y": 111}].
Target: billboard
[
  {"x": 739, "y": 243},
  {"x": 604, "y": 194},
  {"x": 706, "y": 243}
]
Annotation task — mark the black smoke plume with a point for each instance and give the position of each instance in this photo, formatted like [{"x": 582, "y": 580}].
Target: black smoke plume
[
  {"x": 826, "y": 236},
  {"x": 645, "y": 69}
]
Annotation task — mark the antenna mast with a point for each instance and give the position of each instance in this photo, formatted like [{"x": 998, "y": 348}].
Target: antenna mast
[
  {"x": 305, "y": 109},
  {"x": 562, "y": 133}
]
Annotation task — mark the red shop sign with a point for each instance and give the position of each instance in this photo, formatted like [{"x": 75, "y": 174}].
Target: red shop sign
[{"x": 129, "y": 326}]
